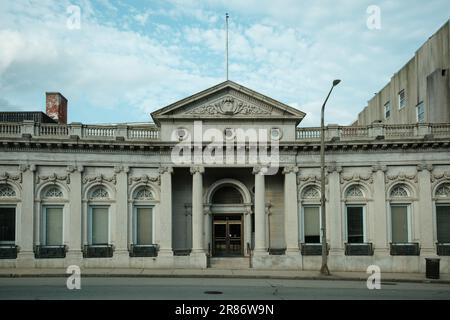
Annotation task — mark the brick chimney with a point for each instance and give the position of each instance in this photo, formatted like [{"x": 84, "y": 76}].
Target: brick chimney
[{"x": 56, "y": 107}]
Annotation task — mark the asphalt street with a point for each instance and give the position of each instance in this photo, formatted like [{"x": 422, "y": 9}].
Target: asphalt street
[{"x": 220, "y": 289}]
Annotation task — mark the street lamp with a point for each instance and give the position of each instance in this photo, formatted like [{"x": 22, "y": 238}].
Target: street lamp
[{"x": 324, "y": 269}]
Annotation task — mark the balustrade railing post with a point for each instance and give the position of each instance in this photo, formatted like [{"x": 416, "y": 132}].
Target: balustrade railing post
[{"x": 28, "y": 127}]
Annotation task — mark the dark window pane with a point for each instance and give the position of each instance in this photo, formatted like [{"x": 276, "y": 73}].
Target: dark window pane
[
  {"x": 227, "y": 195},
  {"x": 8, "y": 224},
  {"x": 355, "y": 227},
  {"x": 443, "y": 224}
]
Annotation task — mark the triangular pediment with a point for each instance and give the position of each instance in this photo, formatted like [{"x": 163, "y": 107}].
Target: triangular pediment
[{"x": 228, "y": 100}]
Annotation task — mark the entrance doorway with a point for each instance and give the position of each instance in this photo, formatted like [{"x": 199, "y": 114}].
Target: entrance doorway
[{"x": 227, "y": 236}]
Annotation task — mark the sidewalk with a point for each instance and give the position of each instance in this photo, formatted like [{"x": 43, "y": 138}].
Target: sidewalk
[{"x": 223, "y": 273}]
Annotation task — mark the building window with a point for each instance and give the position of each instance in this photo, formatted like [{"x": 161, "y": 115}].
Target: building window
[
  {"x": 387, "y": 110},
  {"x": 442, "y": 196},
  {"x": 52, "y": 225},
  {"x": 143, "y": 226},
  {"x": 7, "y": 192},
  {"x": 402, "y": 99},
  {"x": 355, "y": 224},
  {"x": 7, "y": 225},
  {"x": 399, "y": 223},
  {"x": 354, "y": 192},
  {"x": 443, "y": 223},
  {"x": 99, "y": 225},
  {"x": 311, "y": 224},
  {"x": 420, "y": 111},
  {"x": 310, "y": 218}
]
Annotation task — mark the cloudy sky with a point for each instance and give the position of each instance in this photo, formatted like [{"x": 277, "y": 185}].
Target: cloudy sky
[{"x": 128, "y": 58}]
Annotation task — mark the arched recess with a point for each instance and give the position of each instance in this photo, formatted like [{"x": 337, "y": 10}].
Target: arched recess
[{"x": 242, "y": 207}]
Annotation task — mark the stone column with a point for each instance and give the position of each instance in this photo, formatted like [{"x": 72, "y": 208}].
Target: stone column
[
  {"x": 121, "y": 214},
  {"x": 75, "y": 213},
  {"x": 425, "y": 210},
  {"x": 260, "y": 212},
  {"x": 334, "y": 211},
  {"x": 26, "y": 219},
  {"x": 165, "y": 212},
  {"x": 197, "y": 210},
  {"x": 290, "y": 209},
  {"x": 379, "y": 214}
]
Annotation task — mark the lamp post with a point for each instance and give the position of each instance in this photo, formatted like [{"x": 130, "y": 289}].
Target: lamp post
[{"x": 324, "y": 268}]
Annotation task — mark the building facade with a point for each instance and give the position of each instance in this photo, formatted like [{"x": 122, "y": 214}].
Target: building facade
[
  {"x": 420, "y": 91},
  {"x": 188, "y": 192}
]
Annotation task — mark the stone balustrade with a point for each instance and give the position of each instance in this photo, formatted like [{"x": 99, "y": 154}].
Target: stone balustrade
[
  {"x": 151, "y": 131},
  {"x": 374, "y": 131}
]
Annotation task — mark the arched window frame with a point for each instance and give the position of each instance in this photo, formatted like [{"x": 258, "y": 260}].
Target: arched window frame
[
  {"x": 50, "y": 195},
  {"x": 355, "y": 201},
  {"x": 92, "y": 202},
  {"x": 146, "y": 202},
  {"x": 12, "y": 200},
  {"x": 440, "y": 200},
  {"x": 309, "y": 197},
  {"x": 400, "y": 194}
]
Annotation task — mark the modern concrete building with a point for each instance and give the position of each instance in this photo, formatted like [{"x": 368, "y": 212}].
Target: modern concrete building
[
  {"x": 157, "y": 196},
  {"x": 420, "y": 91}
]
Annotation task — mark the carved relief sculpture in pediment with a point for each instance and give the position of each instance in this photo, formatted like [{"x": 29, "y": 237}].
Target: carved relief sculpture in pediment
[{"x": 229, "y": 106}]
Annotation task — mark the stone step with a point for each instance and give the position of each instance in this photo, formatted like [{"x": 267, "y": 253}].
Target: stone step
[{"x": 230, "y": 263}]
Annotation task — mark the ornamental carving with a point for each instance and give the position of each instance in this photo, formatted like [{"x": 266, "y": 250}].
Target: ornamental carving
[
  {"x": 53, "y": 192},
  {"x": 144, "y": 179},
  {"x": 401, "y": 177},
  {"x": 100, "y": 178},
  {"x": 443, "y": 191},
  {"x": 440, "y": 176},
  {"x": 144, "y": 193},
  {"x": 163, "y": 170},
  {"x": 53, "y": 178},
  {"x": 310, "y": 179},
  {"x": 5, "y": 176},
  {"x": 229, "y": 106},
  {"x": 356, "y": 178},
  {"x": 290, "y": 169},
  {"x": 197, "y": 169}
]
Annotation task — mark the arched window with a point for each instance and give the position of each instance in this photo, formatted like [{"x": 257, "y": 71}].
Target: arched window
[
  {"x": 99, "y": 193},
  {"x": 6, "y": 191},
  {"x": 7, "y": 215},
  {"x": 354, "y": 192},
  {"x": 400, "y": 210},
  {"x": 310, "y": 215},
  {"x": 311, "y": 192},
  {"x": 443, "y": 191},
  {"x": 227, "y": 195},
  {"x": 442, "y": 200},
  {"x": 52, "y": 216},
  {"x": 143, "y": 216},
  {"x": 355, "y": 215},
  {"x": 99, "y": 207},
  {"x": 399, "y": 191}
]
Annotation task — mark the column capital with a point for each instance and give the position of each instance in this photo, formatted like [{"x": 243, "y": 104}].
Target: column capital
[
  {"x": 27, "y": 167},
  {"x": 333, "y": 167},
  {"x": 163, "y": 170},
  {"x": 197, "y": 169},
  {"x": 379, "y": 167},
  {"x": 121, "y": 168},
  {"x": 259, "y": 170},
  {"x": 290, "y": 169},
  {"x": 424, "y": 167}
]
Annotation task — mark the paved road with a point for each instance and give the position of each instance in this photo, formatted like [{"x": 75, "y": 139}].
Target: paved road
[{"x": 226, "y": 289}]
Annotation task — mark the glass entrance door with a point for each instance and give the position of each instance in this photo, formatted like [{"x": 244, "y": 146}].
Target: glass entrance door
[{"x": 227, "y": 236}]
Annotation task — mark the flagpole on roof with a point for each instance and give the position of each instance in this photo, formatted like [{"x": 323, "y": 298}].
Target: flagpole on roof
[{"x": 226, "y": 43}]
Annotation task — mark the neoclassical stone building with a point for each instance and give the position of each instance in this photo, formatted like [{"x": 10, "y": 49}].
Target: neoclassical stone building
[{"x": 148, "y": 196}]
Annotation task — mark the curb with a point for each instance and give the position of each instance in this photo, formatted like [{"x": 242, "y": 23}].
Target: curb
[{"x": 218, "y": 276}]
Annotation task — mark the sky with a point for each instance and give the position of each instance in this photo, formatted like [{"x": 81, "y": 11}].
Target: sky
[{"x": 117, "y": 61}]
